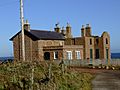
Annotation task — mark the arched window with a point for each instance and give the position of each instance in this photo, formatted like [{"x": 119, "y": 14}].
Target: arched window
[
  {"x": 106, "y": 41},
  {"x": 90, "y": 41}
]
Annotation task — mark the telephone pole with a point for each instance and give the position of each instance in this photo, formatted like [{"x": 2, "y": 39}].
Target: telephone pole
[{"x": 22, "y": 29}]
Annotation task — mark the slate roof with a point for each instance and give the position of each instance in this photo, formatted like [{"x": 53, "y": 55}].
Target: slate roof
[
  {"x": 46, "y": 34},
  {"x": 41, "y": 35}
]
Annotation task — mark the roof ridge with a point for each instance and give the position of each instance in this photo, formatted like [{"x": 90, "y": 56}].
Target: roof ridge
[{"x": 41, "y": 30}]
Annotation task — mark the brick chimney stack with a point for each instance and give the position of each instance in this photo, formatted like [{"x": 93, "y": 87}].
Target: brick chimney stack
[
  {"x": 68, "y": 31},
  {"x": 26, "y": 26},
  {"x": 57, "y": 28},
  {"x": 88, "y": 30},
  {"x": 63, "y": 31},
  {"x": 83, "y": 31}
]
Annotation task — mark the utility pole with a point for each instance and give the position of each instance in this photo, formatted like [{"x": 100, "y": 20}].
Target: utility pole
[{"x": 22, "y": 29}]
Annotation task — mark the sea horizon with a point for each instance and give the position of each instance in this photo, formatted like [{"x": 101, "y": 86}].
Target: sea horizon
[{"x": 113, "y": 56}]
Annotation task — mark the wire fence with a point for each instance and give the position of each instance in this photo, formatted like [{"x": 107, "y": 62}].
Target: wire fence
[
  {"x": 115, "y": 62},
  {"x": 84, "y": 63}
]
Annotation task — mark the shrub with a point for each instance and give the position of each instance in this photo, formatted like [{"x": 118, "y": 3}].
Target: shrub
[{"x": 34, "y": 75}]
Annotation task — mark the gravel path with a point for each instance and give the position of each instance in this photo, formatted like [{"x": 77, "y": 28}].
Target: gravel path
[{"x": 108, "y": 80}]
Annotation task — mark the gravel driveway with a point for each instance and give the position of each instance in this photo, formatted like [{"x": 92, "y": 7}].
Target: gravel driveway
[{"x": 108, "y": 80}]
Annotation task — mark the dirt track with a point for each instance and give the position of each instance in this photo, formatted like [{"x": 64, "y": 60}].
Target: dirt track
[
  {"x": 104, "y": 80},
  {"x": 108, "y": 80}
]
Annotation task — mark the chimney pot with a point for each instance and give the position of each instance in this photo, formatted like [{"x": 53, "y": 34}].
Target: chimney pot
[
  {"x": 83, "y": 26},
  {"x": 27, "y": 25},
  {"x": 87, "y": 25}
]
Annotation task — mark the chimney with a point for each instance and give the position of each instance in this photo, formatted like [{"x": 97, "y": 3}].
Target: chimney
[
  {"x": 26, "y": 26},
  {"x": 63, "y": 31},
  {"x": 57, "y": 28},
  {"x": 88, "y": 30},
  {"x": 68, "y": 31},
  {"x": 83, "y": 31}
]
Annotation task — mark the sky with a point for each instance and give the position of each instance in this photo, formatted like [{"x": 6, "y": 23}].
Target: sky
[{"x": 102, "y": 15}]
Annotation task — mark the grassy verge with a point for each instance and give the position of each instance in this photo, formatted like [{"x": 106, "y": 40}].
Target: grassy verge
[{"x": 41, "y": 76}]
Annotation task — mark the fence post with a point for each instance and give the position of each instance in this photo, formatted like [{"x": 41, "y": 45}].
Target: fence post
[
  {"x": 63, "y": 68},
  {"x": 32, "y": 77},
  {"x": 49, "y": 76}
]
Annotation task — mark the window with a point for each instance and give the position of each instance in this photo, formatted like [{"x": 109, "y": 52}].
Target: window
[
  {"x": 69, "y": 55},
  {"x": 97, "y": 41},
  {"x": 90, "y": 41},
  {"x": 106, "y": 41},
  {"x": 78, "y": 55},
  {"x": 91, "y": 54},
  {"x": 56, "y": 55},
  {"x": 47, "y": 56},
  {"x": 97, "y": 54},
  {"x": 107, "y": 53}
]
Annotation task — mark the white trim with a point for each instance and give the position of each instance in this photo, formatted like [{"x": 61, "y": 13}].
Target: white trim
[
  {"x": 55, "y": 54},
  {"x": 78, "y": 54},
  {"x": 69, "y": 55}
]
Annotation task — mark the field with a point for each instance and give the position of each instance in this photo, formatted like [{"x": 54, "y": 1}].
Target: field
[{"x": 42, "y": 76}]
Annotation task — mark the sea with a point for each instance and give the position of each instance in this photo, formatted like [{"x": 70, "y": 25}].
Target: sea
[
  {"x": 113, "y": 56},
  {"x": 6, "y": 58}
]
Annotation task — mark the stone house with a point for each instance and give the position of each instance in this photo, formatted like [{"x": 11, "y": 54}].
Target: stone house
[{"x": 60, "y": 44}]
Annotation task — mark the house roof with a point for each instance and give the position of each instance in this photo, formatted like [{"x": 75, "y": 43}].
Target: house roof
[
  {"x": 47, "y": 34},
  {"x": 41, "y": 35}
]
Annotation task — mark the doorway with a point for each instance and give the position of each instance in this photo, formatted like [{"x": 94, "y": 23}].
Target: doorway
[
  {"x": 46, "y": 56},
  {"x": 97, "y": 54}
]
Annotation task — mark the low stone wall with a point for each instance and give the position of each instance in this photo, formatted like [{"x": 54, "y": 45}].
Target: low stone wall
[{"x": 97, "y": 62}]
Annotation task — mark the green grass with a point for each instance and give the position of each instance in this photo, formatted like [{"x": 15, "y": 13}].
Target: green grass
[{"x": 18, "y": 76}]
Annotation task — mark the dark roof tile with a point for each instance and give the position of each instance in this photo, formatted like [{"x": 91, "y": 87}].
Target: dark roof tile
[
  {"x": 47, "y": 34},
  {"x": 42, "y": 35}
]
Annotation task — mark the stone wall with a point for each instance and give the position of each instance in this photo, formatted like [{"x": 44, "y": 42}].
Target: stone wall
[
  {"x": 16, "y": 48},
  {"x": 106, "y": 45},
  {"x": 34, "y": 50},
  {"x": 73, "y": 49},
  {"x": 89, "y": 45},
  {"x": 50, "y": 46},
  {"x": 31, "y": 48}
]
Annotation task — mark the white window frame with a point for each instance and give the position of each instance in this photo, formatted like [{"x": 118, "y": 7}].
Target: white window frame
[
  {"x": 69, "y": 55},
  {"x": 55, "y": 55},
  {"x": 78, "y": 54}
]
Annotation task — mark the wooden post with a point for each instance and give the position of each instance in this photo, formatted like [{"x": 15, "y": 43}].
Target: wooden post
[
  {"x": 49, "y": 71},
  {"x": 32, "y": 76}
]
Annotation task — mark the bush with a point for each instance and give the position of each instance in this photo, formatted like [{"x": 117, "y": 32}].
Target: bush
[{"x": 34, "y": 75}]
